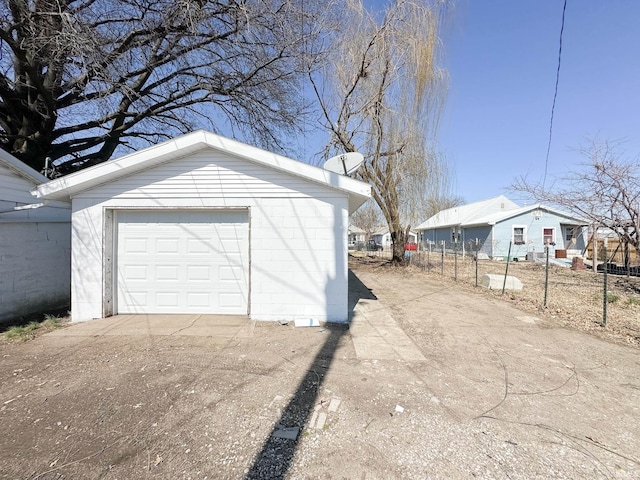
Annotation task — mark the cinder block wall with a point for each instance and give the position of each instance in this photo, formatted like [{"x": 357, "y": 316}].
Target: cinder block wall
[{"x": 35, "y": 268}]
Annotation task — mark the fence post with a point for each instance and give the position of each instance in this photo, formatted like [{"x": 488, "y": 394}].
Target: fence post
[
  {"x": 442, "y": 261},
  {"x": 455, "y": 262},
  {"x": 476, "y": 268},
  {"x": 604, "y": 296},
  {"x": 546, "y": 276},
  {"x": 477, "y": 250},
  {"x": 506, "y": 271}
]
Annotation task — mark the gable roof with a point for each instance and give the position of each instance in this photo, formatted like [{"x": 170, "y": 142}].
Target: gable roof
[
  {"x": 69, "y": 185},
  {"x": 355, "y": 230},
  {"x": 384, "y": 230},
  {"x": 17, "y": 204},
  {"x": 464, "y": 214},
  {"x": 498, "y": 217},
  {"x": 20, "y": 168}
]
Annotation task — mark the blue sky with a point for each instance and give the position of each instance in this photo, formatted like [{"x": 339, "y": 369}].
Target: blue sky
[{"x": 502, "y": 57}]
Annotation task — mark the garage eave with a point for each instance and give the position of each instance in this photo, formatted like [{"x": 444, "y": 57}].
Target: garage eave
[{"x": 66, "y": 187}]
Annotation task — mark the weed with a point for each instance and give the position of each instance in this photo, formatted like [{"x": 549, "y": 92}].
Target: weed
[
  {"x": 633, "y": 300},
  {"x": 31, "y": 329},
  {"x": 14, "y": 332},
  {"x": 51, "y": 322},
  {"x": 612, "y": 298}
]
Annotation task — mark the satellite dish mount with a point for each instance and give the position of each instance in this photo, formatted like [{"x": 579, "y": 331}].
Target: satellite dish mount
[{"x": 345, "y": 163}]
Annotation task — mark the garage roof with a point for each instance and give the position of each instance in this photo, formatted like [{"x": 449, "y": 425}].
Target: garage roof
[
  {"x": 21, "y": 168},
  {"x": 69, "y": 185}
]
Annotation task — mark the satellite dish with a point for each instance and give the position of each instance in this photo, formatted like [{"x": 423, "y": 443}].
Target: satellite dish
[{"x": 344, "y": 163}]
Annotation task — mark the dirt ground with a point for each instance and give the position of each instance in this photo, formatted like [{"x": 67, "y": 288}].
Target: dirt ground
[
  {"x": 492, "y": 392},
  {"x": 574, "y": 298}
]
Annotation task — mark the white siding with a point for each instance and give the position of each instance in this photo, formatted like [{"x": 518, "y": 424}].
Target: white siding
[
  {"x": 14, "y": 189},
  {"x": 298, "y": 233},
  {"x": 208, "y": 174}
]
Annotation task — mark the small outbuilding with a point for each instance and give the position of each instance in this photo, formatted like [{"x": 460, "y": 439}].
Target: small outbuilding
[
  {"x": 35, "y": 244},
  {"x": 203, "y": 224}
]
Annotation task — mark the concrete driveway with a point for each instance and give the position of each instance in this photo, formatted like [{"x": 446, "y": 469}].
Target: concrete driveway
[
  {"x": 224, "y": 326},
  {"x": 429, "y": 381}
]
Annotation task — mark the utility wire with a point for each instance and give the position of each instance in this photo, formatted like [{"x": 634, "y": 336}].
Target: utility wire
[{"x": 555, "y": 94}]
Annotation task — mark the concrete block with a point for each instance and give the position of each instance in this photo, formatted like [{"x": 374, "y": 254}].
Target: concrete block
[
  {"x": 322, "y": 419},
  {"x": 314, "y": 417},
  {"x": 495, "y": 282},
  {"x": 311, "y": 322}
]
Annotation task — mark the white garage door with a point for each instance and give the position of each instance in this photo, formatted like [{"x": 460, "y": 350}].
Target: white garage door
[{"x": 182, "y": 262}]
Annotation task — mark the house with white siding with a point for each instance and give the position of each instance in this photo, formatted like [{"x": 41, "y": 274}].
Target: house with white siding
[
  {"x": 498, "y": 227},
  {"x": 35, "y": 244},
  {"x": 382, "y": 236},
  {"x": 357, "y": 236},
  {"x": 203, "y": 224}
]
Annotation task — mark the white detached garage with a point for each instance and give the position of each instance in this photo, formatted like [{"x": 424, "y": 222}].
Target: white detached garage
[{"x": 207, "y": 225}]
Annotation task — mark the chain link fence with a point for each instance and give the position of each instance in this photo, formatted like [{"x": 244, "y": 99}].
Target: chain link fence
[{"x": 566, "y": 286}]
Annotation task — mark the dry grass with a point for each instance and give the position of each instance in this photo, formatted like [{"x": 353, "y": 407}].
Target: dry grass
[
  {"x": 34, "y": 328},
  {"x": 574, "y": 298}
]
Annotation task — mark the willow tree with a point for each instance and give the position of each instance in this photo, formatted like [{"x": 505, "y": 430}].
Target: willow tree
[
  {"x": 80, "y": 79},
  {"x": 381, "y": 94}
]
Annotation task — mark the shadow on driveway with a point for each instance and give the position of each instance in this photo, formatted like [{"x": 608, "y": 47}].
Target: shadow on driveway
[{"x": 276, "y": 455}]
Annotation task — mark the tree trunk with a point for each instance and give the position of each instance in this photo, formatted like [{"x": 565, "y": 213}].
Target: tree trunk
[{"x": 399, "y": 240}]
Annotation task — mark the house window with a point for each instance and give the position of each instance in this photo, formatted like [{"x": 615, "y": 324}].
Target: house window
[
  {"x": 569, "y": 233},
  {"x": 548, "y": 236},
  {"x": 455, "y": 235},
  {"x": 519, "y": 237}
]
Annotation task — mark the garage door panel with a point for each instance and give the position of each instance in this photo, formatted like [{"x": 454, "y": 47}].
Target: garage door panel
[
  {"x": 230, "y": 300},
  {"x": 198, "y": 246},
  {"x": 135, "y": 245},
  {"x": 137, "y": 299},
  {"x": 199, "y": 300},
  {"x": 231, "y": 273},
  {"x": 197, "y": 265},
  {"x": 167, "y": 273},
  {"x": 136, "y": 272},
  {"x": 167, "y": 299},
  {"x": 167, "y": 246},
  {"x": 198, "y": 273}
]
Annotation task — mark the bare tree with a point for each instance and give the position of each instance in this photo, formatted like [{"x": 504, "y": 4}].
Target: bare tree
[
  {"x": 81, "y": 78},
  {"x": 605, "y": 191},
  {"x": 381, "y": 94}
]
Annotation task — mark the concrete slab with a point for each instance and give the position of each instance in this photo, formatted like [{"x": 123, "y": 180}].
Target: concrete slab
[
  {"x": 226, "y": 326},
  {"x": 497, "y": 282},
  {"x": 375, "y": 333}
]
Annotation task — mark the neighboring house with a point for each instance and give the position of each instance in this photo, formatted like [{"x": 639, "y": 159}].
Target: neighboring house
[
  {"x": 491, "y": 225},
  {"x": 35, "y": 244},
  {"x": 203, "y": 224},
  {"x": 356, "y": 235},
  {"x": 383, "y": 237}
]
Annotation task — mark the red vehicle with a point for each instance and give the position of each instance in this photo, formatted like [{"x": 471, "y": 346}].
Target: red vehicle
[{"x": 411, "y": 246}]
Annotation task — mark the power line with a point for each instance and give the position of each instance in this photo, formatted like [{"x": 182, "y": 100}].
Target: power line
[{"x": 555, "y": 94}]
